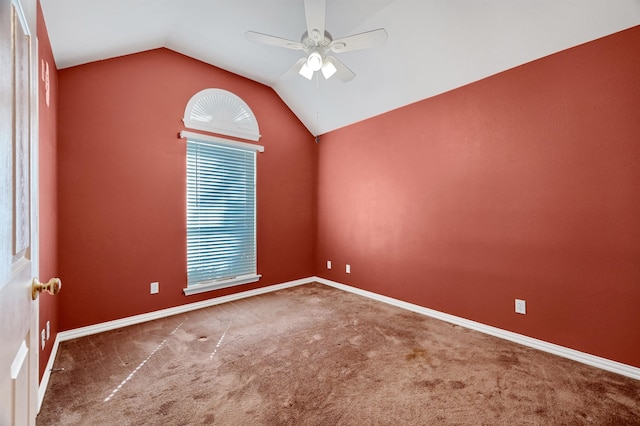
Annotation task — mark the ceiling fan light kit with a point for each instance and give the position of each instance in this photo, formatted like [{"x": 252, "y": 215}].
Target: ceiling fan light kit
[
  {"x": 315, "y": 63},
  {"x": 317, "y": 43}
]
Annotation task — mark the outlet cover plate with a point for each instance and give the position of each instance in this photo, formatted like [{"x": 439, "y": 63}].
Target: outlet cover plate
[
  {"x": 521, "y": 307},
  {"x": 155, "y": 287}
]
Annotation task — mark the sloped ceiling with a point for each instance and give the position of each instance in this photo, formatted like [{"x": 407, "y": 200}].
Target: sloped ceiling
[{"x": 433, "y": 45}]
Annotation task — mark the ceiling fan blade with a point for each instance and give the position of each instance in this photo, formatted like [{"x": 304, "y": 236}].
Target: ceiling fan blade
[
  {"x": 359, "y": 41},
  {"x": 273, "y": 41},
  {"x": 342, "y": 71},
  {"x": 295, "y": 69},
  {"x": 315, "y": 13}
]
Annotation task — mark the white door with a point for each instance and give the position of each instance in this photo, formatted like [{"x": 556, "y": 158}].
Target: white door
[{"x": 18, "y": 205}]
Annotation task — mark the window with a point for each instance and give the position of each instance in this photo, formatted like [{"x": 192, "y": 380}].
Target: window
[
  {"x": 221, "y": 213},
  {"x": 221, "y": 191}
]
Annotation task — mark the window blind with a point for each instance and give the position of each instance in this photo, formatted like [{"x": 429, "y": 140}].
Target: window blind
[{"x": 221, "y": 218}]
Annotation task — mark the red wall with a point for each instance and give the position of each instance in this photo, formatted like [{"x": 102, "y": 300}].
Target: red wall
[
  {"x": 523, "y": 185},
  {"x": 122, "y": 185},
  {"x": 48, "y": 182}
]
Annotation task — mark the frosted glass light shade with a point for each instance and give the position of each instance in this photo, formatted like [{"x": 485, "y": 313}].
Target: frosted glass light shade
[
  {"x": 306, "y": 72},
  {"x": 314, "y": 61},
  {"x": 328, "y": 69}
]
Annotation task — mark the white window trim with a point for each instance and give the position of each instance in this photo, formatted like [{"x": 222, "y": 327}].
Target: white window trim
[
  {"x": 218, "y": 284},
  {"x": 199, "y": 137}
]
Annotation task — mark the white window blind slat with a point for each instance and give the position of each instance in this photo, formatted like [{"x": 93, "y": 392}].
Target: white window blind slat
[{"x": 221, "y": 223}]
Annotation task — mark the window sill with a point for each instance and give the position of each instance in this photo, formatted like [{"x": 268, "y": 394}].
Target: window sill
[{"x": 216, "y": 285}]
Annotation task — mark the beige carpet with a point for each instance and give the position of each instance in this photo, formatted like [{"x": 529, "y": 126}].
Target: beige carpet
[{"x": 314, "y": 355}]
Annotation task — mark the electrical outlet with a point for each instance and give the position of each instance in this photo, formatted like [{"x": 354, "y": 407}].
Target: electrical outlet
[
  {"x": 42, "y": 339},
  {"x": 348, "y": 268},
  {"x": 155, "y": 287},
  {"x": 521, "y": 307},
  {"x": 328, "y": 264},
  {"x": 48, "y": 329}
]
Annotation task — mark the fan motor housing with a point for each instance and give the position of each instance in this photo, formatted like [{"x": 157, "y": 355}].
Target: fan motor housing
[{"x": 309, "y": 45}]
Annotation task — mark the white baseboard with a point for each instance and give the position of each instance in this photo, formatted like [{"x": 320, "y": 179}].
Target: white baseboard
[
  {"x": 42, "y": 388},
  {"x": 592, "y": 360}
]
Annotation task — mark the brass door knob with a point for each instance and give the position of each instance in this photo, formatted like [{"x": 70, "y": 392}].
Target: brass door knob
[{"x": 52, "y": 287}]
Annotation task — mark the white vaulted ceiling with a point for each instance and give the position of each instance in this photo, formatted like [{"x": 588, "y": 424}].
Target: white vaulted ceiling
[{"x": 433, "y": 45}]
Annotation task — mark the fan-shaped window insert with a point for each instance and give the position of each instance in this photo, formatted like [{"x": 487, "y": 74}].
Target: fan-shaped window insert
[{"x": 220, "y": 111}]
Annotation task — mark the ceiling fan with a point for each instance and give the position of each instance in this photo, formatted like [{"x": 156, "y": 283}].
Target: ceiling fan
[{"x": 317, "y": 43}]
